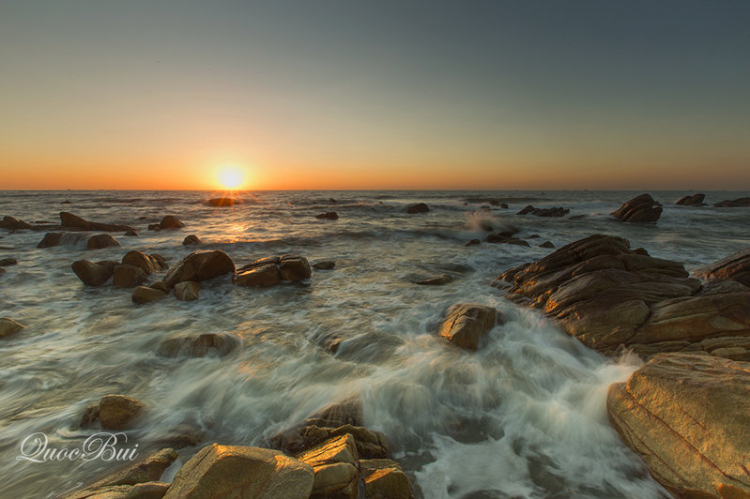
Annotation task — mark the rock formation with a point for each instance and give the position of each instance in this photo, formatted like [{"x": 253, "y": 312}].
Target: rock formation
[{"x": 640, "y": 209}]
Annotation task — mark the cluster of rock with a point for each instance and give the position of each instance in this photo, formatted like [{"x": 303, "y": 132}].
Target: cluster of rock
[
  {"x": 558, "y": 211},
  {"x": 274, "y": 270},
  {"x": 640, "y": 209},
  {"x": 691, "y": 200},
  {"x": 610, "y": 296},
  {"x": 10, "y": 223},
  {"x": 132, "y": 271}
]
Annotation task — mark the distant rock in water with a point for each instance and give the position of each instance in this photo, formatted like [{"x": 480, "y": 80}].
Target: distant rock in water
[
  {"x": 418, "y": 208},
  {"x": 332, "y": 201},
  {"x": 218, "y": 344},
  {"x": 50, "y": 240},
  {"x": 694, "y": 200},
  {"x": 94, "y": 273},
  {"x": 466, "y": 323},
  {"x": 220, "y": 202},
  {"x": 689, "y": 417},
  {"x": 191, "y": 239},
  {"x": 171, "y": 222},
  {"x": 503, "y": 239},
  {"x": 330, "y": 215},
  {"x": 101, "y": 241},
  {"x": 734, "y": 203},
  {"x": 11, "y": 223},
  {"x": 118, "y": 412},
  {"x": 438, "y": 280},
  {"x": 735, "y": 267},
  {"x": 273, "y": 270},
  {"x": 544, "y": 212},
  {"x": 131, "y": 233},
  {"x": 7, "y": 262},
  {"x": 200, "y": 266},
  {"x": 546, "y": 244},
  {"x": 9, "y": 327},
  {"x": 324, "y": 265},
  {"x": 640, "y": 209},
  {"x": 71, "y": 221},
  {"x": 142, "y": 295},
  {"x": 473, "y": 242}
]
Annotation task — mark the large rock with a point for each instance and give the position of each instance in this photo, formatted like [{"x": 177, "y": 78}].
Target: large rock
[
  {"x": 270, "y": 271},
  {"x": 384, "y": 479},
  {"x": 335, "y": 464},
  {"x": 200, "y": 266},
  {"x": 220, "y": 471},
  {"x": 191, "y": 239},
  {"x": 8, "y": 327},
  {"x": 466, "y": 323},
  {"x": 50, "y": 240},
  {"x": 370, "y": 444},
  {"x": 689, "y": 417},
  {"x": 640, "y": 209},
  {"x": 101, "y": 241},
  {"x": 260, "y": 276},
  {"x": 694, "y": 200},
  {"x": 93, "y": 273},
  {"x": 219, "y": 344},
  {"x": 143, "y": 295},
  {"x": 128, "y": 276},
  {"x": 117, "y": 412},
  {"x": 70, "y": 220},
  {"x": 608, "y": 296},
  {"x": 187, "y": 290},
  {"x": 148, "y": 263},
  {"x": 11, "y": 223},
  {"x": 735, "y": 267},
  {"x": 734, "y": 203},
  {"x": 171, "y": 222}
]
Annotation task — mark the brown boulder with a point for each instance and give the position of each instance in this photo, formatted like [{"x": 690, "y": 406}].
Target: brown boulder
[
  {"x": 117, "y": 412},
  {"x": 324, "y": 265},
  {"x": 128, "y": 276},
  {"x": 191, "y": 239},
  {"x": 100, "y": 241},
  {"x": 50, "y": 240},
  {"x": 171, "y": 222},
  {"x": 6, "y": 262},
  {"x": 329, "y": 215},
  {"x": 294, "y": 268},
  {"x": 418, "y": 208},
  {"x": 219, "y": 344},
  {"x": 8, "y": 327},
  {"x": 466, "y": 323},
  {"x": 200, "y": 266},
  {"x": 11, "y": 223},
  {"x": 143, "y": 295},
  {"x": 147, "y": 263},
  {"x": 384, "y": 479},
  {"x": 334, "y": 463},
  {"x": 70, "y": 220},
  {"x": 187, "y": 290},
  {"x": 734, "y": 203},
  {"x": 93, "y": 273},
  {"x": 640, "y": 209},
  {"x": 219, "y": 471},
  {"x": 689, "y": 417},
  {"x": 694, "y": 200},
  {"x": 370, "y": 444},
  {"x": 735, "y": 267},
  {"x": 270, "y": 271},
  {"x": 261, "y": 276}
]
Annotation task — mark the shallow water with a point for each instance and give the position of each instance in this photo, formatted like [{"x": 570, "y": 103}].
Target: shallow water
[{"x": 523, "y": 417}]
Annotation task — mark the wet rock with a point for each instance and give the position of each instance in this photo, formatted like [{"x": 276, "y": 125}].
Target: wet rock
[
  {"x": 418, "y": 208},
  {"x": 294, "y": 268},
  {"x": 503, "y": 239},
  {"x": 273, "y": 270},
  {"x": 154, "y": 227},
  {"x": 101, "y": 241},
  {"x": 329, "y": 215},
  {"x": 486, "y": 227},
  {"x": 640, "y": 209},
  {"x": 93, "y": 273},
  {"x": 187, "y": 290},
  {"x": 218, "y": 344},
  {"x": 148, "y": 263},
  {"x": 70, "y": 220},
  {"x": 11, "y": 223},
  {"x": 222, "y": 202},
  {"x": 219, "y": 471},
  {"x": 347, "y": 412},
  {"x": 324, "y": 265},
  {"x": 438, "y": 280},
  {"x": 546, "y": 244},
  {"x": 7, "y": 262},
  {"x": 545, "y": 212},
  {"x": 689, "y": 417},
  {"x": 117, "y": 412},
  {"x": 334, "y": 463},
  {"x": 143, "y": 295},
  {"x": 148, "y": 490},
  {"x": 259, "y": 276},
  {"x": 128, "y": 276},
  {"x": 370, "y": 444},
  {"x": 191, "y": 239},
  {"x": 9, "y": 327},
  {"x": 384, "y": 479},
  {"x": 735, "y": 267},
  {"x": 466, "y": 323},
  {"x": 200, "y": 266},
  {"x": 473, "y": 242},
  {"x": 332, "y": 201},
  {"x": 160, "y": 285},
  {"x": 171, "y": 222},
  {"x": 50, "y": 240},
  {"x": 131, "y": 233},
  {"x": 182, "y": 435},
  {"x": 733, "y": 203},
  {"x": 694, "y": 200}
]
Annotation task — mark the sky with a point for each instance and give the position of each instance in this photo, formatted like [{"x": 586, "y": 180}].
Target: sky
[{"x": 387, "y": 94}]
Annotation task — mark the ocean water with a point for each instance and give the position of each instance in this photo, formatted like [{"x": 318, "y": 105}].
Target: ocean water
[{"x": 524, "y": 416}]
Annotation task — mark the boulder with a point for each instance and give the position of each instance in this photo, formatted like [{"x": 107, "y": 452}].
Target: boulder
[
  {"x": 544, "y": 212},
  {"x": 334, "y": 463},
  {"x": 466, "y": 323},
  {"x": 418, "y": 208},
  {"x": 438, "y": 280},
  {"x": 221, "y": 202},
  {"x": 370, "y": 444},
  {"x": 160, "y": 285},
  {"x": 218, "y": 471},
  {"x": 260, "y": 276},
  {"x": 384, "y": 479},
  {"x": 70, "y": 220},
  {"x": 329, "y": 215},
  {"x": 546, "y": 244},
  {"x": 128, "y": 276},
  {"x": 191, "y": 239},
  {"x": 143, "y": 295},
  {"x": 11, "y": 223},
  {"x": 100, "y": 241},
  {"x": 187, "y": 290},
  {"x": 171, "y": 222},
  {"x": 640, "y": 209},
  {"x": 147, "y": 263},
  {"x": 93, "y": 273},
  {"x": 273, "y": 270},
  {"x": 324, "y": 265},
  {"x": 610, "y": 296},
  {"x": 694, "y": 200},
  {"x": 131, "y": 233},
  {"x": 7, "y": 262},
  {"x": 8, "y": 327},
  {"x": 734, "y": 203},
  {"x": 689, "y": 417},
  {"x": 117, "y": 412},
  {"x": 200, "y": 266},
  {"x": 217, "y": 344},
  {"x": 294, "y": 268},
  {"x": 50, "y": 240},
  {"x": 735, "y": 267}
]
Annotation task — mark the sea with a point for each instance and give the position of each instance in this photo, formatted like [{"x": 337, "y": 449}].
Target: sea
[{"x": 522, "y": 417}]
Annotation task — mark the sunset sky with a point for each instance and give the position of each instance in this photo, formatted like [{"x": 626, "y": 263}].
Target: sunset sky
[{"x": 392, "y": 94}]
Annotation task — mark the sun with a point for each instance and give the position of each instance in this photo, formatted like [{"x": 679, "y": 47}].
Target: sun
[{"x": 230, "y": 177}]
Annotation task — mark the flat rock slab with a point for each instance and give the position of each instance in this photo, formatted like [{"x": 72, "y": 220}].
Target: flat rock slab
[
  {"x": 689, "y": 417},
  {"x": 735, "y": 267}
]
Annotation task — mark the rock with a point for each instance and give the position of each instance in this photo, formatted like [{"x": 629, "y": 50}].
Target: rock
[
  {"x": 70, "y": 220},
  {"x": 93, "y": 273},
  {"x": 11, "y": 223},
  {"x": 733, "y": 203},
  {"x": 131, "y": 233},
  {"x": 154, "y": 227},
  {"x": 735, "y": 267},
  {"x": 294, "y": 268},
  {"x": 272, "y": 270},
  {"x": 370, "y": 444},
  {"x": 502, "y": 239},
  {"x": 332, "y": 201},
  {"x": 640, "y": 209},
  {"x": 609, "y": 296},
  {"x": 221, "y": 202},
  {"x": 694, "y": 200},
  {"x": 8, "y": 327},
  {"x": 136, "y": 481},
  {"x": 473, "y": 242},
  {"x": 200, "y": 266},
  {"x": 171, "y": 222},
  {"x": 160, "y": 263},
  {"x": 187, "y": 290},
  {"x": 545, "y": 212},
  {"x": 147, "y": 263},
  {"x": 182, "y": 435},
  {"x": 117, "y": 412},
  {"x": 384, "y": 479},
  {"x": 260, "y": 276},
  {"x": 7, "y": 262},
  {"x": 546, "y": 244},
  {"x": 418, "y": 208},
  {"x": 689, "y": 417},
  {"x": 160, "y": 285},
  {"x": 100, "y": 241},
  {"x": 219, "y": 471},
  {"x": 143, "y": 295},
  {"x": 50, "y": 239},
  {"x": 128, "y": 276},
  {"x": 191, "y": 239},
  {"x": 438, "y": 280},
  {"x": 334, "y": 463},
  {"x": 330, "y": 215},
  {"x": 347, "y": 412},
  {"x": 324, "y": 265},
  {"x": 218, "y": 344},
  {"x": 466, "y": 323}
]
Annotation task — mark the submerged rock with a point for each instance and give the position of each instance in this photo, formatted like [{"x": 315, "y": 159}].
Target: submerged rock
[
  {"x": 733, "y": 203},
  {"x": 504, "y": 239},
  {"x": 191, "y": 239},
  {"x": 69, "y": 220},
  {"x": 219, "y": 471},
  {"x": 200, "y": 266},
  {"x": 689, "y": 417},
  {"x": 117, "y": 412},
  {"x": 171, "y": 222},
  {"x": 101, "y": 241},
  {"x": 219, "y": 344},
  {"x": 324, "y": 265},
  {"x": 7, "y": 262},
  {"x": 694, "y": 200},
  {"x": 545, "y": 212},
  {"x": 187, "y": 290},
  {"x": 546, "y": 244},
  {"x": 418, "y": 208},
  {"x": 735, "y": 267},
  {"x": 50, "y": 240},
  {"x": 9, "y": 327},
  {"x": 466, "y": 323},
  {"x": 94, "y": 273},
  {"x": 131, "y": 233},
  {"x": 640, "y": 209},
  {"x": 438, "y": 280},
  {"x": 473, "y": 242},
  {"x": 143, "y": 295},
  {"x": 270, "y": 271},
  {"x": 329, "y": 215},
  {"x": 11, "y": 223},
  {"x": 221, "y": 202}
]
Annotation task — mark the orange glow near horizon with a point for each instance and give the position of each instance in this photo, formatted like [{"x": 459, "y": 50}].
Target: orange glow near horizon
[{"x": 231, "y": 177}]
